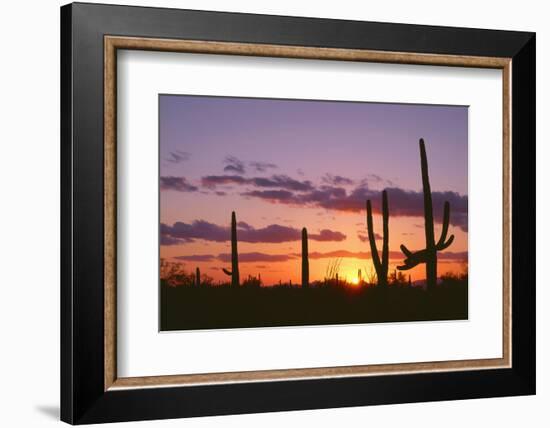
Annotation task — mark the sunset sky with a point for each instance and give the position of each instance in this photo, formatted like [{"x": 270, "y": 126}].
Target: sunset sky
[{"x": 286, "y": 164}]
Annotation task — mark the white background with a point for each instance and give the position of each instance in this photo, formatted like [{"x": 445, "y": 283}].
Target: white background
[
  {"x": 29, "y": 230},
  {"x": 142, "y": 351}
]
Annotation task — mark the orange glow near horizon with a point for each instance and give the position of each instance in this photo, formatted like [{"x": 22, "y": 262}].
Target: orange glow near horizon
[{"x": 403, "y": 230}]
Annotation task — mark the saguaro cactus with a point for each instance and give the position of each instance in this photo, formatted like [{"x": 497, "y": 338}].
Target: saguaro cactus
[
  {"x": 428, "y": 255},
  {"x": 234, "y": 272},
  {"x": 305, "y": 260},
  {"x": 381, "y": 266},
  {"x": 197, "y": 277}
]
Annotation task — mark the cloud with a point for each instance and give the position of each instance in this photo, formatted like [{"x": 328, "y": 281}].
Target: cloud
[
  {"x": 281, "y": 196},
  {"x": 327, "y": 235},
  {"x": 262, "y": 166},
  {"x": 377, "y": 180},
  {"x": 253, "y": 257},
  {"x": 364, "y": 255},
  {"x": 257, "y": 257},
  {"x": 402, "y": 203},
  {"x": 232, "y": 164},
  {"x": 168, "y": 240},
  {"x": 453, "y": 256},
  {"x": 275, "y": 181},
  {"x": 336, "y": 180},
  {"x": 197, "y": 258},
  {"x": 179, "y": 184},
  {"x": 212, "y": 181},
  {"x": 364, "y": 237},
  {"x": 178, "y": 156},
  {"x": 180, "y": 233},
  {"x": 282, "y": 182},
  {"x": 244, "y": 225}
]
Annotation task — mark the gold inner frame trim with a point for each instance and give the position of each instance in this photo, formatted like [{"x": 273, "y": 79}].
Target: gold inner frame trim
[{"x": 113, "y": 43}]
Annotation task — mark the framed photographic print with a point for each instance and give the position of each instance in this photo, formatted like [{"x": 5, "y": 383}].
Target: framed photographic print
[{"x": 265, "y": 213}]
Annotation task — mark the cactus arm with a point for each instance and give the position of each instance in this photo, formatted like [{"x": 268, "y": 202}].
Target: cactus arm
[
  {"x": 227, "y": 272},
  {"x": 441, "y": 247},
  {"x": 441, "y": 244},
  {"x": 414, "y": 259},
  {"x": 444, "y": 223},
  {"x": 405, "y": 250}
]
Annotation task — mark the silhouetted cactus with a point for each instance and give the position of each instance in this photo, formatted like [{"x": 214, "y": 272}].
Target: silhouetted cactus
[
  {"x": 428, "y": 255},
  {"x": 197, "y": 277},
  {"x": 234, "y": 272},
  {"x": 305, "y": 260},
  {"x": 381, "y": 266}
]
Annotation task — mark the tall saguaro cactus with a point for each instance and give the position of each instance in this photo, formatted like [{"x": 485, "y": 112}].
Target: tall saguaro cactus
[
  {"x": 380, "y": 265},
  {"x": 428, "y": 255},
  {"x": 197, "y": 277},
  {"x": 305, "y": 260},
  {"x": 234, "y": 272}
]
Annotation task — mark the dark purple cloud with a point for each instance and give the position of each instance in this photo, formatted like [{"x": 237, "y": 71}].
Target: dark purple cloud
[
  {"x": 199, "y": 229},
  {"x": 336, "y": 180},
  {"x": 212, "y": 181},
  {"x": 402, "y": 203},
  {"x": 282, "y": 182},
  {"x": 280, "y": 196},
  {"x": 178, "y": 156},
  {"x": 179, "y": 184},
  {"x": 377, "y": 180},
  {"x": 262, "y": 166},
  {"x": 168, "y": 240},
  {"x": 180, "y": 233},
  {"x": 232, "y": 164},
  {"x": 364, "y": 237},
  {"x": 244, "y": 225},
  {"x": 327, "y": 235},
  {"x": 275, "y": 181}
]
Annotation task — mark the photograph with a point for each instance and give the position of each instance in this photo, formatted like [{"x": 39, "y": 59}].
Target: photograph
[{"x": 294, "y": 212}]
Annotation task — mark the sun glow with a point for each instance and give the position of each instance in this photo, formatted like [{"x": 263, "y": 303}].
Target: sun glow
[{"x": 355, "y": 281}]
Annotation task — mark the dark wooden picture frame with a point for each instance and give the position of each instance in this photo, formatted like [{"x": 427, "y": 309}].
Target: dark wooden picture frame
[{"x": 90, "y": 389}]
